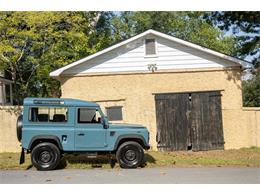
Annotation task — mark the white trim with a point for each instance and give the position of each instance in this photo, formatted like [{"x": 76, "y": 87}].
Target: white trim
[
  {"x": 60, "y": 70},
  {"x": 239, "y": 62},
  {"x": 179, "y": 70}
]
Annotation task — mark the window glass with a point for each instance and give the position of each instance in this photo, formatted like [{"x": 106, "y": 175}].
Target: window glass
[
  {"x": 150, "y": 47},
  {"x": 7, "y": 93},
  {"x": 48, "y": 114},
  {"x": 114, "y": 113},
  {"x": 89, "y": 115}
]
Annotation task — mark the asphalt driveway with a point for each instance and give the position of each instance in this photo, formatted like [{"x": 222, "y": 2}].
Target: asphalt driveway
[{"x": 137, "y": 176}]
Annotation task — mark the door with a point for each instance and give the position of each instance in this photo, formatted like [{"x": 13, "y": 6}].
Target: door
[
  {"x": 89, "y": 131},
  {"x": 172, "y": 122},
  {"x": 206, "y": 123},
  {"x": 189, "y": 121}
]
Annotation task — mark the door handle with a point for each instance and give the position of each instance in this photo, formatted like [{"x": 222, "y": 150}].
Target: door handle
[{"x": 81, "y": 134}]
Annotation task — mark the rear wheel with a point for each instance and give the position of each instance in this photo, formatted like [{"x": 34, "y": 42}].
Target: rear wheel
[
  {"x": 130, "y": 155},
  {"x": 45, "y": 156},
  {"x": 19, "y": 126}
]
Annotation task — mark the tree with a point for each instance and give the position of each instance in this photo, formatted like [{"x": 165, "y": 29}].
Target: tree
[
  {"x": 190, "y": 26},
  {"x": 32, "y": 44},
  {"x": 246, "y": 28},
  {"x": 251, "y": 92}
]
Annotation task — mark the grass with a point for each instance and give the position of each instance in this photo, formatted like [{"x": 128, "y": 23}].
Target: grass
[{"x": 245, "y": 157}]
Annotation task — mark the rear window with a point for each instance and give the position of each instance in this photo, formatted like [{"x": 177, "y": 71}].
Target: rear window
[{"x": 48, "y": 114}]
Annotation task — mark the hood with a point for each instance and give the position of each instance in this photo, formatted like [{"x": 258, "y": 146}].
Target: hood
[{"x": 124, "y": 125}]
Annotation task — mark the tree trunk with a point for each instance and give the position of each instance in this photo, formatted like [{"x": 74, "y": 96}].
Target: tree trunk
[{"x": 14, "y": 79}]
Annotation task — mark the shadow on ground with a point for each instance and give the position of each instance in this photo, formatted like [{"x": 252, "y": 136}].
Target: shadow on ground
[
  {"x": 148, "y": 159},
  {"x": 29, "y": 167},
  {"x": 82, "y": 161}
]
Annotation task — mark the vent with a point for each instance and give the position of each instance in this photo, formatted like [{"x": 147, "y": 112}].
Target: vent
[{"x": 150, "y": 47}]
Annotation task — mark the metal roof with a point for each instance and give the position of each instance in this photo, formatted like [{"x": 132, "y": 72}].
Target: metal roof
[{"x": 58, "y": 102}]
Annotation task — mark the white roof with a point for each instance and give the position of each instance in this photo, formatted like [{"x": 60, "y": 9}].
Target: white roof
[{"x": 239, "y": 62}]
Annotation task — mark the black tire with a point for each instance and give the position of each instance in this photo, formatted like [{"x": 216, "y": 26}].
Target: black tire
[
  {"x": 19, "y": 126},
  {"x": 130, "y": 155},
  {"x": 45, "y": 156}
]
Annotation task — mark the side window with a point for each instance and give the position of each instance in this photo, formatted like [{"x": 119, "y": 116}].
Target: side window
[
  {"x": 89, "y": 115},
  {"x": 48, "y": 114},
  {"x": 114, "y": 113}
]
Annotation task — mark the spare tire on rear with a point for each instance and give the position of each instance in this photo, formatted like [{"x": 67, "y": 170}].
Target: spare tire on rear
[{"x": 19, "y": 125}]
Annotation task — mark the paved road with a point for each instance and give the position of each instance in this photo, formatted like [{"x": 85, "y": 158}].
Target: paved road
[{"x": 144, "y": 175}]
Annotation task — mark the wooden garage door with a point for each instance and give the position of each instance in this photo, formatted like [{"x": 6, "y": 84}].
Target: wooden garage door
[{"x": 189, "y": 121}]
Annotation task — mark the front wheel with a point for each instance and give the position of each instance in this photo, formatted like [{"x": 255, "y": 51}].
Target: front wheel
[
  {"x": 130, "y": 155},
  {"x": 45, "y": 156}
]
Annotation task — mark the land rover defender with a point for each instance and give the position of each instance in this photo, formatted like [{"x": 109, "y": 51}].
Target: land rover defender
[{"x": 51, "y": 127}]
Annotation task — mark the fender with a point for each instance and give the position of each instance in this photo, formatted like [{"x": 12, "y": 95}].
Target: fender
[
  {"x": 46, "y": 137},
  {"x": 129, "y": 137}
]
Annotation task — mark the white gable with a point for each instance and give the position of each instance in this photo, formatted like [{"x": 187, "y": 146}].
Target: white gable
[{"x": 129, "y": 56}]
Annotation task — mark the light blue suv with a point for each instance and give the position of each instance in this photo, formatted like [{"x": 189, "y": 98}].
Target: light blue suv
[{"x": 51, "y": 127}]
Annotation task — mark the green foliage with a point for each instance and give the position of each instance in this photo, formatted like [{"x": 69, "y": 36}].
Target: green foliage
[
  {"x": 189, "y": 26},
  {"x": 32, "y": 44},
  {"x": 251, "y": 92},
  {"x": 246, "y": 28}
]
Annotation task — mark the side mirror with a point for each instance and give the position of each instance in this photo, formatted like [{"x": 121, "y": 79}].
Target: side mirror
[{"x": 105, "y": 122}]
